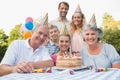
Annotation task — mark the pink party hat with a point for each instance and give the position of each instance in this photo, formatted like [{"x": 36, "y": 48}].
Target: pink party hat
[{"x": 78, "y": 9}]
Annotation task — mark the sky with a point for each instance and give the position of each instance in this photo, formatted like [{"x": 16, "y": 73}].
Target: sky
[{"x": 13, "y": 12}]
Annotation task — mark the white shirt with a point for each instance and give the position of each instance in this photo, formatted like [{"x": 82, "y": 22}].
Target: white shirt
[
  {"x": 60, "y": 24},
  {"x": 20, "y": 51}
]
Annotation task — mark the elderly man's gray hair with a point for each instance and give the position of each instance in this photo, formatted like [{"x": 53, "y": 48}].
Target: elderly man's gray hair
[{"x": 40, "y": 25}]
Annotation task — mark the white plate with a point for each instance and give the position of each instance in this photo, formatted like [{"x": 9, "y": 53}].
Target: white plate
[{"x": 75, "y": 69}]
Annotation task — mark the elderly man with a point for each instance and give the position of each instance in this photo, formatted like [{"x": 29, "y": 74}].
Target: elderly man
[{"x": 24, "y": 55}]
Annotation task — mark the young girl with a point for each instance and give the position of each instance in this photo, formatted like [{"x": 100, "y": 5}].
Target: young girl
[{"x": 64, "y": 45}]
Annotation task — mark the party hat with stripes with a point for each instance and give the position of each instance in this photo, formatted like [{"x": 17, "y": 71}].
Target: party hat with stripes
[
  {"x": 64, "y": 30},
  {"x": 45, "y": 20},
  {"x": 93, "y": 20}
]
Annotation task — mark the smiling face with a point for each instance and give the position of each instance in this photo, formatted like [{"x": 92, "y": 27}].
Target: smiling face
[
  {"x": 54, "y": 34},
  {"x": 64, "y": 43},
  {"x": 63, "y": 10},
  {"x": 77, "y": 19},
  {"x": 90, "y": 37},
  {"x": 39, "y": 35}
]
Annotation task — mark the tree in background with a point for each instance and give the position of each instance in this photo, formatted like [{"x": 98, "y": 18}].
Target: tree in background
[
  {"x": 15, "y": 33},
  {"x": 111, "y": 31},
  {"x": 118, "y": 24},
  {"x": 6, "y": 40},
  {"x": 3, "y": 43},
  {"x": 108, "y": 21}
]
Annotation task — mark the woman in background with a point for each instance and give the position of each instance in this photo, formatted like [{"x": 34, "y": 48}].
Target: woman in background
[{"x": 78, "y": 21}]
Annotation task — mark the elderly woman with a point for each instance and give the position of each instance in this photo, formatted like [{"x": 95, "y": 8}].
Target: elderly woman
[{"x": 97, "y": 54}]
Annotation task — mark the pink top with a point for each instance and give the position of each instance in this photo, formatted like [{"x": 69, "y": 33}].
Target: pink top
[
  {"x": 54, "y": 58},
  {"x": 77, "y": 42}
]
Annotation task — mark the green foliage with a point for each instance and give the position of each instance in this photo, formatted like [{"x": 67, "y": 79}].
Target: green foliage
[
  {"x": 108, "y": 21},
  {"x": 111, "y": 31},
  {"x": 112, "y": 36},
  {"x": 3, "y": 43},
  {"x": 15, "y": 33}
]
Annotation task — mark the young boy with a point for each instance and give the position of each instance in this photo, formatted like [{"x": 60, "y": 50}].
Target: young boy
[{"x": 52, "y": 44}]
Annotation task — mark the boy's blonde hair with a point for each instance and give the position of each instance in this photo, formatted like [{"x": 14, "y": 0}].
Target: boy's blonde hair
[{"x": 53, "y": 26}]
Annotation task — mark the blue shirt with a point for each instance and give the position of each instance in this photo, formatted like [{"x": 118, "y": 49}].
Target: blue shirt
[
  {"x": 53, "y": 48},
  {"x": 20, "y": 51},
  {"x": 105, "y": 59}
]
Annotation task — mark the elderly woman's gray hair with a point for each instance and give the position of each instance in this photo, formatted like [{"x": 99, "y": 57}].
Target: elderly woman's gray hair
[{"x": 92, "y": 27}]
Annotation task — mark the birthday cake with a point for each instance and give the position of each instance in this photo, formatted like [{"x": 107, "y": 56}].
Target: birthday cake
[{"x": 69, "y": 62}]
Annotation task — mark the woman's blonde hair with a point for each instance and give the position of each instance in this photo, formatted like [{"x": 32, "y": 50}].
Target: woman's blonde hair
[{"x": 73, "y": 27}]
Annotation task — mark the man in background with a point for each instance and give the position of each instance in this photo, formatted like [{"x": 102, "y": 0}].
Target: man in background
[{"x": 61, "y": 21}]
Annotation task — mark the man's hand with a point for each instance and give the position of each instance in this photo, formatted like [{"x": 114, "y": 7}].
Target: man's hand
[{"x": 23, "y": 67}]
